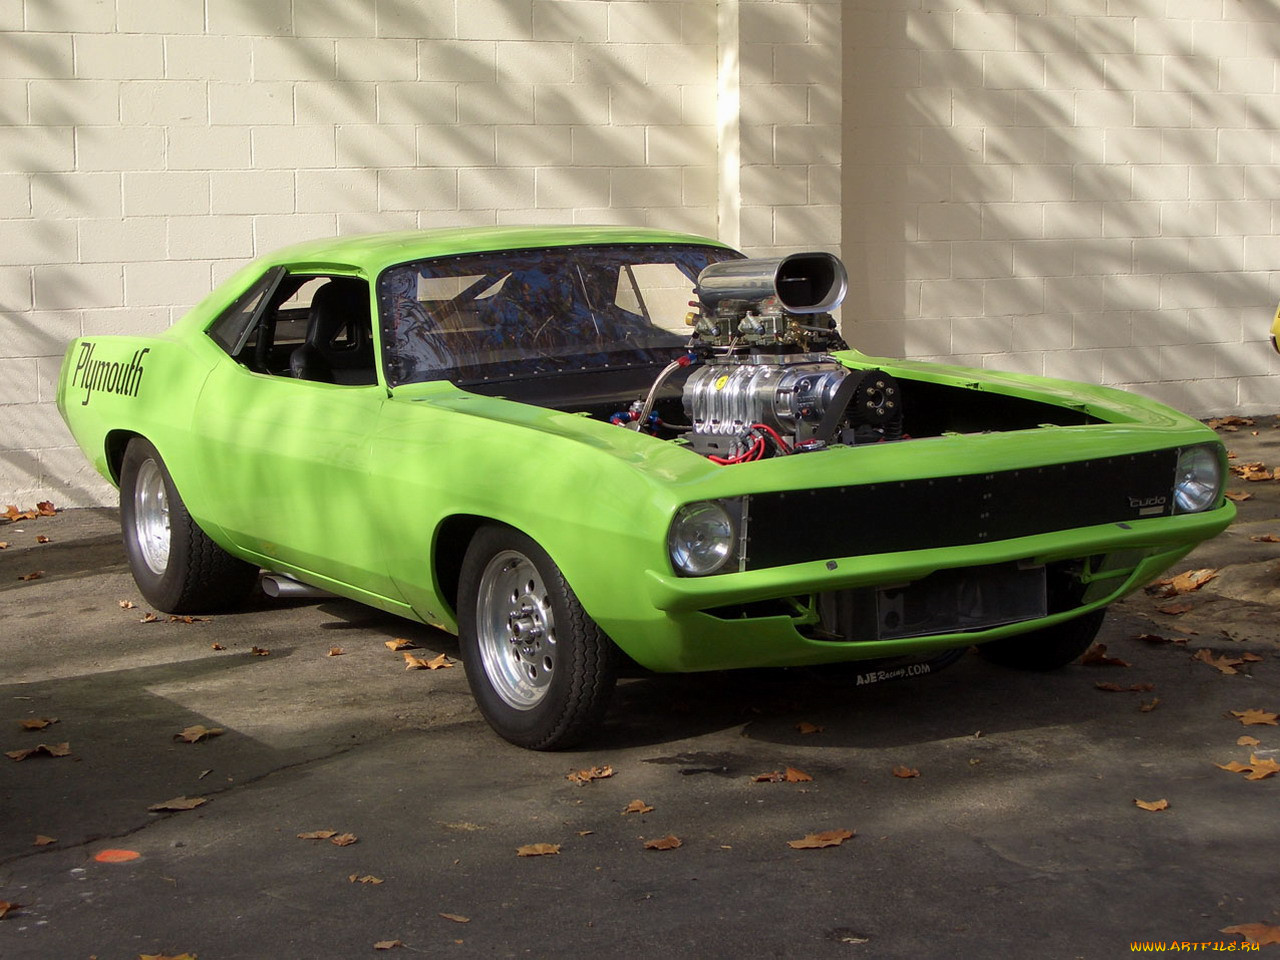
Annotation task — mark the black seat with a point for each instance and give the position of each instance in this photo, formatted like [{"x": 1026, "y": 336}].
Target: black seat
[{"x": 339, "y": 344}]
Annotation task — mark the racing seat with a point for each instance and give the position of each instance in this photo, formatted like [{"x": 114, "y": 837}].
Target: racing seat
[{"x": 339, "y": 343}]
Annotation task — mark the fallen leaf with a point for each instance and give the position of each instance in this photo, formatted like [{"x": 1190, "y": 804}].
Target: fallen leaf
[
  {"x": 797, "y": 776},
  {"x": 388, "y": 944},
  {"x": 216, "y": 646},
  {"x": 1185, "y": 582},
  {"x": 805, "y": 727},
  {"x": 149, "y": 618},
  {"x": 1158, "y": 638},
  {"x": 399, "y": 643},
  {"x": 318, "y": 835},
  {"x": 4, "y": 544},
  {"x": 197, "y": 733},
  {"x": 1256, "y": 716},
  {"x": 1096, "y": 656},
  {"x": 1238, "y": 495},
  {"x": 1247, "y": 741},
  {"x": 1255, "y": 768},
  {"x": 1152, "y": 805},
  {"x": 637, "y": 806},
  {"x": 1259, "y": 933},
  {"x": 773, "y": 776},
  {"x": 259, "y": 652},
  {"x": 1224, "y": 664},
  {"x": 669, "y": 842},
  {"x": 343, "y": 839},
  {"x": 1150, "y": 705},
  {"x": 187, "y": 619},
  {"x": 1176, "y": 609},
  {"x": 585, "y": 833},
  {"x": 7, "y": 907},
  {"x": 41, "y": 538},
  {"x": 586, "y": 776},
  {"x": 1131, "y": 688},
  {"x": 1265, "y": 538},
  {"x": 905, "y": 773},
  {"x": 126, "y": 604},
  {"x": 43, "y": 841},
  {"x": 33, "y": 575},
  {"x": 116, "y": 856},
  {"x": 1230, "y": 421},
  {"x": 335, "y": 652},
  {"x": 538, "y": 850},
  {"x": 37, "y": 723},
  {"x": 178, "y": 803},
  {"x": 437, "y": 662},
  {"x": 367, "y": 878},
  {"x": 815, "y": 841},
  {"x": 46, "y": 508},
  {"x": 455, "y": 917},
  {"x": 41, "y": 749}
]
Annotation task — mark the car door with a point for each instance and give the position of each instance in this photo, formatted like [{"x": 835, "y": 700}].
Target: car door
[{"x": 286, "y": 460}]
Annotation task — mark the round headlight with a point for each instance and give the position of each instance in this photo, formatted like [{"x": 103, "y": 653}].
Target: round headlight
[
  {"x": 1198, "y": 481},
  {"x": 701, "y": 538}
]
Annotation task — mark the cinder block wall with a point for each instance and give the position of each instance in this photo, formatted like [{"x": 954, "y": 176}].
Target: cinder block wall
[{"x": 1082, "y": 188}]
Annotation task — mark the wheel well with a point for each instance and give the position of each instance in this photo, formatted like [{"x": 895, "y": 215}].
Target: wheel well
[
  {"x": 452, "y": 539},
  {"x": 115, "y": 444}
]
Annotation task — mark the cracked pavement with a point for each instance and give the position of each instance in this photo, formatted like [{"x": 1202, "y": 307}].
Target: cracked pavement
[{"x": 1019, "y": 838}]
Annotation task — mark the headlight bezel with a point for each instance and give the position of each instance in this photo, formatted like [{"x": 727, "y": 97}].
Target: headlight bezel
[
  {"x": 1198, "y": 478},
  {"x": 718, "y": 549}
]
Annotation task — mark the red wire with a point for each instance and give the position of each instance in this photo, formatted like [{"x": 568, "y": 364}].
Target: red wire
[{"x": 782, "y": 444}]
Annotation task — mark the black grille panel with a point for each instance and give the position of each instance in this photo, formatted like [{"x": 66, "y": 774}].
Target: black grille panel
[{"x": 864, "y": 519}]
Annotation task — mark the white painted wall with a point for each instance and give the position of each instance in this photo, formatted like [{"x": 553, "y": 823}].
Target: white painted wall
[{"x": 1083, "y": 188}]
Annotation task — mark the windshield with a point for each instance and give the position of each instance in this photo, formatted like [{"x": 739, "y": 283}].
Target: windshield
[{"x": 521, "y": 313}]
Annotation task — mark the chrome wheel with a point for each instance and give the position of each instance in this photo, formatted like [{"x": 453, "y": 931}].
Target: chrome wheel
[
  {"x": 151, "y": 517},
  {"x": 515, "y": 630}
]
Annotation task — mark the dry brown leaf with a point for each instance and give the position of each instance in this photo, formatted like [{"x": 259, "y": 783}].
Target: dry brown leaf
[
  {"x": 399, "y": 643},
  {"x": 186, "y": 619},
  {"x": 1255, "y": 716},
  {"x": 43, "y": 841},
  {"x": 335, "y": 652},
  {"x": 1250, "y": 657},
  {"x": 1223, "y": 663},
  {"x": 586, "y": 776},
  {"x": 259, "y": 652},
  {"x": 41, "y": 749},
  {"x": 318, "y": 835},
  {"x": 178, "y": 803},
  {"x": 41, "y": 538},
  {"x": 815, "y": 841},
  {"x": 538, "y": 850},
  {"x": 4, "y": 544},
  {"x": 1185, "y": 582},
  {"x": 797, "y": 776},
  {"x": 1096, "y": 656},
  {"x": 216, "y": 646},
  {"x": 7, "y": 907},
  {"x": 637, "y": 806},
  {"x": 1265, "y": 538},
  {"x": 367, "y": 878},
  {"x": 1238, "y": 496},
  {"x": 805, "y": 727},
  {"x": 126, "y": 604},
  {"x": 669, "y": 842},
  {"x": 1255, "y": 769},
  {"x": 1131, "y": 688},
  {"x": 1176, "y": 609},
  {"x": 46, "y": 508},
  {"x": 33, "y": 575},
  {"x": 388, "y": 944},
  {"x": 1150, "y": 705},
  {"x": 37, "y": 723},
  {"x": 905, "y": 773},
  {"x": 773, "y": 776},
  {"x": 12, "y": 514},
  {"x": 1247, "y": 741},
  {"x": 1152, "y": 805},
  {"x": 438, "y": 662},
  {"x": 455, "y": 917},
  {"x": 197, "y": 733},
  {"x": 149, "y": 617},
  {"x": 1230, "y": 421},
  {"x": 1259, "y": 933},
  {"x": 343, "y": 839}
]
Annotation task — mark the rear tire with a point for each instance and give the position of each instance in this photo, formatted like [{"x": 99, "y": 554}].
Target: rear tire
[
  {"x": 541, "y": 671},
  {"x": 1048, "y": 648},
  {"x": 175, "y": 564}
]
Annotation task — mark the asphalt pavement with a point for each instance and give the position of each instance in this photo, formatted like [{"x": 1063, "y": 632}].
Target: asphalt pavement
[{"x": 1009, "y": 831}]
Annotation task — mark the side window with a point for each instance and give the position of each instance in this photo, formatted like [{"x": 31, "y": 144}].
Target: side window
[
  {"x": 308, "y": 327},
  {"x": 236, "y": 324}
]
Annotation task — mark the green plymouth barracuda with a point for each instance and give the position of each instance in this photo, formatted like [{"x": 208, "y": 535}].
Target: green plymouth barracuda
[{"x": 574, "y": 446}]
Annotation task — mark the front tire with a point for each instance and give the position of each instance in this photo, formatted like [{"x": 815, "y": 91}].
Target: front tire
[
  {"x": 175, "y": 564},
  {"x": 539, "y": 667},
  {"x": 1048, "y": 648}
]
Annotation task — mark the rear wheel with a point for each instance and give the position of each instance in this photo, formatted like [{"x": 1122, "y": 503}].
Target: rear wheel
[
  {"x": 1048, "y": 648},
  {"x": 539, "y": 667},
  {"x": 175, "y": 564}
]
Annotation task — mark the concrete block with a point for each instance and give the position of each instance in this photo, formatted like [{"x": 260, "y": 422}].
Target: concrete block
[
  {"x": 260, "y": 102},
  {"x": 72, "y": 102},
  {"x": 208, "y": 58},
  {"x": 496, "y": 103},
  {"x": 261, "y": 18},
  {"x": 495, "y": 20},
  {"x": 118, "y": 148},
  {"x": 160, "y": 193},
  {"x": 118, "y": 240},
  {"x": 569, "y": 187},
  {"x": 208, "y": 148},
  {"x": 254, "y": 192},
  {"x": 452, "y": 145},
  {"x": 75, "y": 286},
  {"x": 458, "y": 61},
  {"x": 570, "y": 103},
  {"x": 337, "y": 191},
  {"x": 73, "y": 195},
  {"x": 27, "y": 242},
  {"x": 572, "y": 20},
  {"x": 115, "y": 56},
  {"x": 166, "y": 284},
  {"x": 368, "y": 58},
  {"x": 483, "y": 188},
  {"x": 534, "y": 145},
  {"x": 417, "y": 189},
  {"x": 293, "y": 147},
  {"x": 210, "y": 238},
  {"x": 164, "y": 103}
]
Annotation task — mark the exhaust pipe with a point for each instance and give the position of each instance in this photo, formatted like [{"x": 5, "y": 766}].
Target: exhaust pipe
[{"x": 279, "y": 586}]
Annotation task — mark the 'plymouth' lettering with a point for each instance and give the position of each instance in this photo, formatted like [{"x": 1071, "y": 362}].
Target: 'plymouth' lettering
[{"x": 107, "y": 376}]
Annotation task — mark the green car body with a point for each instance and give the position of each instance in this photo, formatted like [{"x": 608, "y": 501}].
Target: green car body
[{"x": 375, "y": 490}]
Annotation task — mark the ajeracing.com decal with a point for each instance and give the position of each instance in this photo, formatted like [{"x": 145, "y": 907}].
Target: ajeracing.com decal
[{"x": 108, "y": 376}]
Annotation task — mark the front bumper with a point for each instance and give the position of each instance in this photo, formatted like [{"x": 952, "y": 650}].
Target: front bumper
[{"x": 690, "y": 624}]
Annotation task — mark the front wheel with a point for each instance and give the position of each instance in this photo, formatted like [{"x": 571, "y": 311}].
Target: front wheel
[
  {"x": 539, "y": 667},
  {"x": 1047, "y": 648},
  {"x": 175, "y": 564}
]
